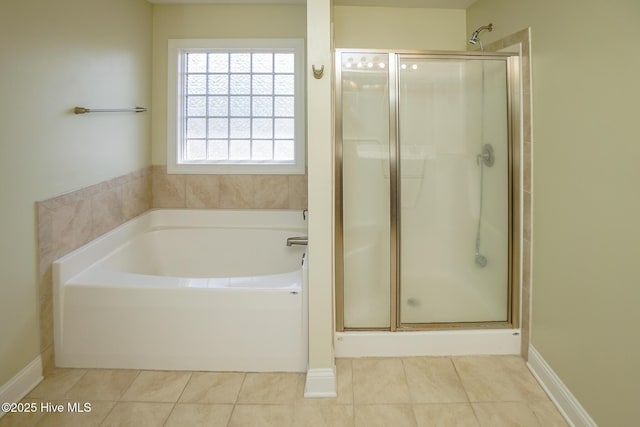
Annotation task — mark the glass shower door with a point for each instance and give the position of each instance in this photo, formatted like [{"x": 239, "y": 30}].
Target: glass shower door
[
  {"x": 364, "y": 127},
  {"x": 453, "y": 190}
]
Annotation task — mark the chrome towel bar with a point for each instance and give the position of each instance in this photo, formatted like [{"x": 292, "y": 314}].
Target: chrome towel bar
[{"x": 84, "y": 110}]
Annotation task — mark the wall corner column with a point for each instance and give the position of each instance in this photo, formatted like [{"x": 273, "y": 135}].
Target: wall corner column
[{"x": 321, "y": 379}]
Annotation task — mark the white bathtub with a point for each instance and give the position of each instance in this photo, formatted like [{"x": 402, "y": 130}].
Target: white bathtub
[{"x": 213, "y": 290}]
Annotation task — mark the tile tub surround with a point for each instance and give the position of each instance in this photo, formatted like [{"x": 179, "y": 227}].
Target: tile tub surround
[
  {"x": 480, "y": 391},
  {"x": 195, "y": 191},
  {"x": 68, "y": 221}
]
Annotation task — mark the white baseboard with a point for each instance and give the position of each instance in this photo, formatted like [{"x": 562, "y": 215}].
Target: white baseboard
[
  {"x": 565, "y": 401},
  {"x": 320, "y": 383},
  {"x": 21, "y": 383}
]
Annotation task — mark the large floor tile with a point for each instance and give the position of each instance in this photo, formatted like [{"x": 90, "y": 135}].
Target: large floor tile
[
  {"x": 57, "y": 384},
  {"x": 433, "y": 379},
  {"x": 468, "y": 391},
  {"x": 547, "y": 414},
  {"x": 505, "y": 414},
  {"x": 262, "y": 416},
  {"x": 102, "y": 384},
  {"x": 323, "y": 416},
  {"x": 157, "y": 386},
  {"x": 445, "y": 415},
  {"x": 138, "y": 414},
  {"x": 23, "y": 419},
  {"x": 269, "y": 388},
  {"x": 395, "y": 415},
  {"x": 198, "y": 415},
  {"x": 92, "y": 416},
  {"x": 213, "y": 387},
  {"x": 344, "y": 374},
  {"x": 379, "y": 381},
  {"x": 497, "y": 378}
]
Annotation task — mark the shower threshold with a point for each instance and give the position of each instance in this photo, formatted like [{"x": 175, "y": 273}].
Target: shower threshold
[{"x": 427, "y": 343}]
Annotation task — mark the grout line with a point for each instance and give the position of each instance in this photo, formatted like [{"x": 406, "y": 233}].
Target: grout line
[
  {"x": 412, "y": 401},
  {"x": 406, "y": 380},
  {"x": 235, "y": 401},
  {"x": 185, "y": 386},
  {"x": 115, "y": 403},
  {"x": 169, "y": 415},
  {"x": 64, "y": 395},
  {"x": 178, "y": 398},
  {"x": 129, "y": 386},
  {"x": 353, "y": 392},
  {"x": 455, "y": 368},
  {"x": 470, "y": 403},
  {"x": 244, "y": 378}
]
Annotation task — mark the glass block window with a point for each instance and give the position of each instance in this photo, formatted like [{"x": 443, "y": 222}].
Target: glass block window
[{"x": 238, "y": 108}]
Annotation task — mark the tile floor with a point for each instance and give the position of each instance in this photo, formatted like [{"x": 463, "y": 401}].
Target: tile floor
[{"x": 465, "y": 391}]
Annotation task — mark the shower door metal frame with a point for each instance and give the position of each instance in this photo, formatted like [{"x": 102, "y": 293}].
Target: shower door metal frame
[{"x": 514, "y": 141}]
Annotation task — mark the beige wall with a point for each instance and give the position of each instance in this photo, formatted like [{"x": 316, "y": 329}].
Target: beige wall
[
  {"x": 399, "y": 28},
  {"x": 210, "y": 21},
  {"x": 56, "y": 55},
  {"x": 586, "y": 203}
]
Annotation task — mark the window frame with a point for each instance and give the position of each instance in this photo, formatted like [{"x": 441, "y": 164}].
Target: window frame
[{"x": 176, "y": 109}]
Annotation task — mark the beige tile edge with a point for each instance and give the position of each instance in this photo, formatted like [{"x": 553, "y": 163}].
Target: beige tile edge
[{"x": 523, "y": 38}]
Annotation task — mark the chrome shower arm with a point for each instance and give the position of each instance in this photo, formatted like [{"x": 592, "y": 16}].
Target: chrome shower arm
[{"x": 474, "y": 36}]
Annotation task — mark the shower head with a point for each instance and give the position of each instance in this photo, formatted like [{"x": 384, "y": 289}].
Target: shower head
[{"x": 474, "y": 37}]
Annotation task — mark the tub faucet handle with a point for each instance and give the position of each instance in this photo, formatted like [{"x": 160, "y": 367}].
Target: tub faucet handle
[{"x": 298, "y": 240}]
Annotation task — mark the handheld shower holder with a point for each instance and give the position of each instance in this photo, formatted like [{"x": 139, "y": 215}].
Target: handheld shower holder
[{"x": 487, "y": 156}]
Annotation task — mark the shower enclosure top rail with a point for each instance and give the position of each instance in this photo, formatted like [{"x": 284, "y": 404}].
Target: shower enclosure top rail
[{"x": 431, "y": 53}]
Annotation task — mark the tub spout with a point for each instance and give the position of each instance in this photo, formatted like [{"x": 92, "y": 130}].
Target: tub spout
[{"x": 298, "y": 240}]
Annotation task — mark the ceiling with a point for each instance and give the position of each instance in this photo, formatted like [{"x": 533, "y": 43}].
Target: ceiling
[{"x": 439, "y": 4}]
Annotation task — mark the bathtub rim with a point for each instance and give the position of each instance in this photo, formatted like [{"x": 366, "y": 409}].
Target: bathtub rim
[{"x": 92, "y": 252}]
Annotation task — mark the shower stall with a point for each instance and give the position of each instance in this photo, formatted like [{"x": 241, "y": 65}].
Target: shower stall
[{"x": 427, "y": 191}]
